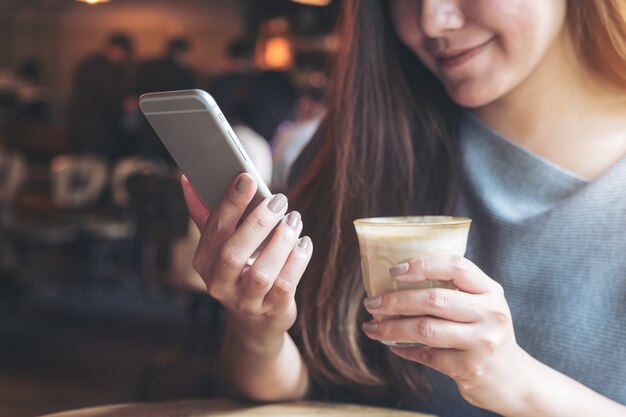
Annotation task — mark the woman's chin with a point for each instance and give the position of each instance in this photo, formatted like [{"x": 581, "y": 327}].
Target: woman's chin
[{"x": 472, "y": 96}]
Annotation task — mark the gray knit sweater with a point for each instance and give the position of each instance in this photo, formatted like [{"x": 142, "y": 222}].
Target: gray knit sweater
[{"x": 557, "y": 244}]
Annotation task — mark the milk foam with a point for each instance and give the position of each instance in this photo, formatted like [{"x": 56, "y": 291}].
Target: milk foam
[{"x": 384, "y": 245}]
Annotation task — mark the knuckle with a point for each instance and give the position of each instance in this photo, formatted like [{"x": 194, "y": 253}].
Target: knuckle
[
  {"x": 214, "y": 224},
  {"x": 468, "y": 377},
  {"x": 230, "y": 257},
  {"x": 286, "y": 235},
  {"x": 459, "y": 262},
  {"x": 261, "y": 223},
  {"x": 501, "y": 315},
  {"x": 392, "y": 300},
  {"x": 425, "y": 330},
  {"x": 457, "y": 373},
  {"x": 490, "y": 343},
  {"x": 437, "y": 298},
  {"x": 283, "y": 287},
  {"x": 473, "y": 371},
  {"x": 259, "y": 279},
  {"x": 424, "y": 263}
]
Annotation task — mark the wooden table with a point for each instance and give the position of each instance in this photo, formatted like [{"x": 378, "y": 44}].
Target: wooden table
[{"x": 225, "y": 408}]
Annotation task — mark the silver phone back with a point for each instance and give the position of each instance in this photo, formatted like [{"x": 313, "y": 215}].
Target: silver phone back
[{"x": 196, "y": 134}]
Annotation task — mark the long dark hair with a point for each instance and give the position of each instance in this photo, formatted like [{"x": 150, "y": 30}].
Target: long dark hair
[{"x": 388, "y": 146}]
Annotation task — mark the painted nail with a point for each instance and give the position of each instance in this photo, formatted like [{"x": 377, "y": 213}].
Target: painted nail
[
  {"x": 370, "y": 327},
  {"x": 373, "y": 302},
  {"x": 399, "y": 269},
  {"x": 304, "y": 242},
  {"x": 277, "y": 203},
  {"x": 293, "y": 219},
  {"x": 243, "y": 184}
]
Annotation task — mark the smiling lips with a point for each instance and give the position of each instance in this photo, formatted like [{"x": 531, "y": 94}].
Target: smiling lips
[{"x": 454, "y": 58}]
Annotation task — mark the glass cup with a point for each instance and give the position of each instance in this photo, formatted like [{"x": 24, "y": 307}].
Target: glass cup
[{"x": 388, "y": 241}]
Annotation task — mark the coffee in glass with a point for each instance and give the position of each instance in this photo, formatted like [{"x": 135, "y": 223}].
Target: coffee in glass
[{"x": 388, "y": 241}]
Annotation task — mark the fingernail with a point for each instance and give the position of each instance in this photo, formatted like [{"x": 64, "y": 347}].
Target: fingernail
[
  {"x": 304, "y": 242},
  {"x": 293, "y": 219},
  {"x": 370, "y": 327},
  {"x": 277, "y": 203},
  {"x": 373, "y": 302},
  {"x": 399, "y": 269},
  {"x": 243, "y": 184}
]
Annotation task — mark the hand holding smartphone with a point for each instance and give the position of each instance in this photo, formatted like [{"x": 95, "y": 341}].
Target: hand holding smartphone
[{"x": 258, "y": 296}]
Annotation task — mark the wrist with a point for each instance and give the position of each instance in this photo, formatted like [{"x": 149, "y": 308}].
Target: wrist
[
  {"x": 508, "y": 391},
  {"x": 252, "y": 338},
  {"x": 544, "y": 391},
  {"x": 529, "y": 374},
  {"x": 528, "y": 395}
]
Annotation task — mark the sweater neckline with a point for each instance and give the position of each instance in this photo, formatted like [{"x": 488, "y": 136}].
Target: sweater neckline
[
  {"x": 510, "y": 179},
  {"x": 493, "y": 134},
  {"x": 470, "y": 120}
]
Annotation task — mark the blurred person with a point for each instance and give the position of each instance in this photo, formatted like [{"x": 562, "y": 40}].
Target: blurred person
[
  {"x": 32, "y": 114},
  {"x": 172, "y": 71},
  {"x": 101, "y": 97},
  {"x": 510, "y": 113},
  {"x": 291, "y": 138},
  {"x": 237, "y": 66},
  {"x": 21, "y": 91},
  {"x": 33, "y": 100}
]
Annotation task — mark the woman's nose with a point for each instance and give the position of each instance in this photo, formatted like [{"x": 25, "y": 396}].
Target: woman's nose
[{"x": 437, "y": 17}]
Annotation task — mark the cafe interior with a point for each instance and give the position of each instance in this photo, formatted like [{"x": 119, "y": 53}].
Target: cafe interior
[{"x": 99, "y": 303}]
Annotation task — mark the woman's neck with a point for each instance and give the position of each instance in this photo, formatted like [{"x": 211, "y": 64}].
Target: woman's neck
[{"x": 562, "y": 112}]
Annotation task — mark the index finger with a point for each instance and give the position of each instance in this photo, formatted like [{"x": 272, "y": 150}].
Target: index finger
[
  {"x": 462, "y": 273},
  {"x": 197, "y": 210}
]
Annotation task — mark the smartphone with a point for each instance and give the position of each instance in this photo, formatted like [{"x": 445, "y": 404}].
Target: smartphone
[{"x": 197, "y": 135}]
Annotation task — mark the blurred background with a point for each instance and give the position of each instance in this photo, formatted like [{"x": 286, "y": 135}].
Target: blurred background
[{"x": 98, "y": 300}]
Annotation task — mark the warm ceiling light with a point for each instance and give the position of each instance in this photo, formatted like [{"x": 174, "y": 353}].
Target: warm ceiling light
[
  {"x": 313, "y": 2},
  {"x": 277, "y": 53},
  {"x": 94, "y": 1}
]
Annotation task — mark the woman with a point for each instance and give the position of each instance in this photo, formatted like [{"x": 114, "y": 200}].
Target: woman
[{"x": 510, "y": 112}]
